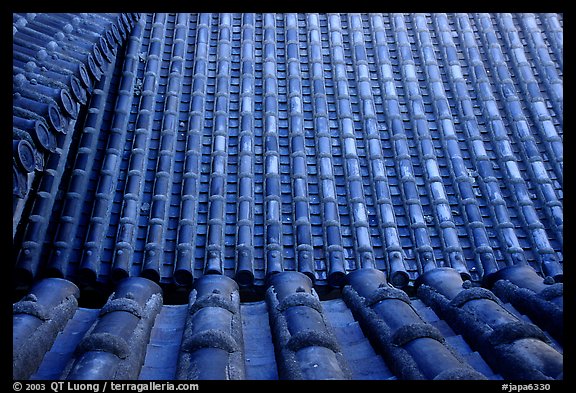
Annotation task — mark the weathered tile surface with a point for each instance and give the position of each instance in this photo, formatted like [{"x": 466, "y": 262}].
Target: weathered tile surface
[{"x": 299, "y": 181}]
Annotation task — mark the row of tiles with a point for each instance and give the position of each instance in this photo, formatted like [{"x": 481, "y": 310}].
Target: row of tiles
[
  {"x": 250, "y": 144},
  {"x": 452, "y": 330},
  {"x": 56, "y": 60}
]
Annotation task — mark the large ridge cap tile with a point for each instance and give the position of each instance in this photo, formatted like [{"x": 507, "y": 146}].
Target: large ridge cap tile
[
  {"x": 114, "y": 348},
  {"x": 414, "y": 348},
  {"x": 521, "y": 275},
  {"x": 539, "y": 298},
  {"x": 213, "y": 332},
  {"x": 305, "y": 345},
  {"x": 518, "y": 349},
  {"x": 37, "y": 320}
]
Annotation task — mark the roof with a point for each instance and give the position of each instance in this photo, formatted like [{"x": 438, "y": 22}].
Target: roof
[
  {"x": 288, "y": 196},
  {"x": 374, "y": 331}
]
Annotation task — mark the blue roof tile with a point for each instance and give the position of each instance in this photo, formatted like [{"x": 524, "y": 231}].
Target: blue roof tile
[
  {"x": 37, "y": 320},
  {"x": 497, "y": 334}
]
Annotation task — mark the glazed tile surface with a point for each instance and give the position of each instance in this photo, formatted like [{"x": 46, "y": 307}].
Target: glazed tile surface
[{"x": 288, "y": 196}]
